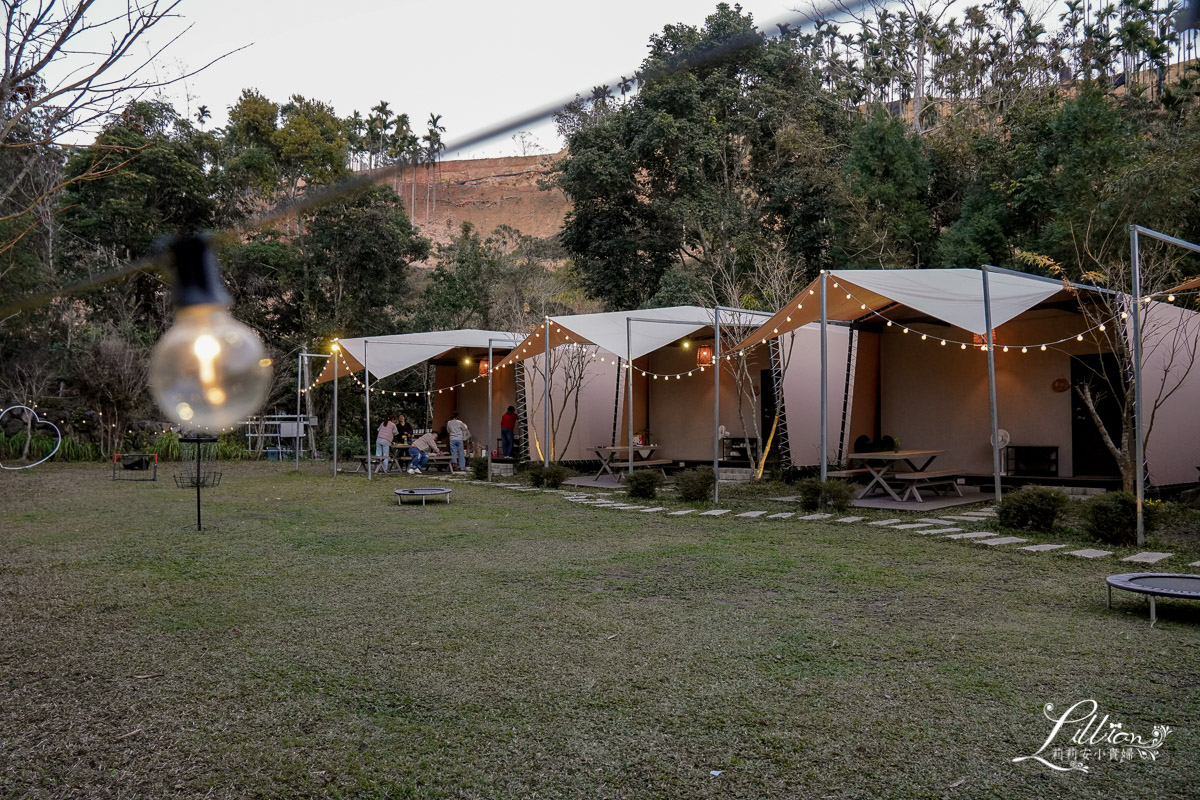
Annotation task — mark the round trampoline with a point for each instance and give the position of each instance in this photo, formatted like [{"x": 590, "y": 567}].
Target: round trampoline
[
  {"x": 1156, "y": 584},
  {"x": 422, "y": 493}
]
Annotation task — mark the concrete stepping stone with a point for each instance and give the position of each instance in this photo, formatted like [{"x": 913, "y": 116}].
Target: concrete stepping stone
[
  {"x": 1194, "y": 564},
  {"x": 934, "y": 520},
  {"x": 527, "y": 489},
  {"x": 752, "y": 514},
  {"x": 817, "y": 516},
  {"x": 791, "y": 499},
  {"x": 884, "y": 521},
  {"x": 507, "y": 484},
  {"x": 656, "y": 508},
  {"x": 784, "y": 515},
  {"x": 850, "y": 519},
  {"x": 1003, "y": 540},
  {"x": 964, "y": 518},
  {"x": 1088, "y": 552},
  {"x": 1042, "y": 548},
  {"x": 939, "y": 530},
  {"x": 988, "y": 513},
  {"x": 1147, "y": 558},
  {"x": 971, "y": 535},
  {"x": 911, "y": 526},
  {"x": 681, "y": 513},
  {"x": 628, "y": 508},
  {"x": 716, "y": 512}
]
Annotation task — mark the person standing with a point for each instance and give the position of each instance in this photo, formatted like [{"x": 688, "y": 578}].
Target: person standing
[
  {"x": 458, "y": 433},
  {"x": 508, "y": 425},
  {"x": 406, "y": 431},
  {"x": 384, "y": 438},
  {"x": 420, "y": 451}
]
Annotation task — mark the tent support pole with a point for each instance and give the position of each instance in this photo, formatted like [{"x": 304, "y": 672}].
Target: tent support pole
[
  {"x": 991, "y": 367},
  {"x": 716, "y": 365},
  {"x": 824, "y": 379},
  {"x": 1138, "y": 445},
  {"x": 335, "y": 357},
  {"x": 546, "y": 394},
  {"x": 299, "y": 383},
  {"x": 488, "y": 444},
  {"x": 629, "y": 383},
  {"x": 367, "y": 393}
]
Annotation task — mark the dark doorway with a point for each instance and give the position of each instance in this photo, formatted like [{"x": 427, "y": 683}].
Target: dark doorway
[
  {"x": 1089, "y": 455},
  {"x": 766, "y": 402}
]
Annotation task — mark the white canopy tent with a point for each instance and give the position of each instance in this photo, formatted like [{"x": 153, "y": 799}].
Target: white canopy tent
[
  {"x": 381, "y": 356},
  {"x": 976, "y": 300},
  {"x": 630, "y": 335}
]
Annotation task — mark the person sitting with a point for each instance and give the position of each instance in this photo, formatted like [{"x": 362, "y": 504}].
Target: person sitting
[
  {"x": 384, "y": 438},
  {"x": 508, "y": 424},
  {"x": 458, "y": 434},
  {"x": 420, "y": 451}
]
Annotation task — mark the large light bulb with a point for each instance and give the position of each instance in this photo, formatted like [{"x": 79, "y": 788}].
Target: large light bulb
[{"x": 208, "y": 370}]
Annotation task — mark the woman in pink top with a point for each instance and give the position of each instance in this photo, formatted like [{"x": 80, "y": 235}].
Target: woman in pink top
[{"x": 384, "y": 438}]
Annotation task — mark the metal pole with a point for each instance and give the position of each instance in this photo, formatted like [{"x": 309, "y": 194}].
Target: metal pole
[
  {"x": 488, "y": 444},
  {"x": 337, "y": 354},
  {"x": 716, "y": 403},
  {"x": 367, "y": 392},
  {"x": 546, "y": 395},
  {"x": 199, "y": 527},
  {"x": 629, "y": 392},
  {"x": 299, "y": 381},
  {"x": 824, "y": 379},
  {"x": 991, "y": 366},
  {"x": 1138, "y": 447}
]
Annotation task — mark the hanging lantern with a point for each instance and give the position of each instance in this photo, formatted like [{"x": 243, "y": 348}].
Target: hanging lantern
[
  {"x": 484, "y": 366},
  {"x": 704, "y": 355}
]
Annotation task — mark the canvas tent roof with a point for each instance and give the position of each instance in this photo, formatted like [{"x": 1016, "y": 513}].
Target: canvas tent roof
[
  {"x": 607, "y": 330},
  {"x": 1194, "y": 283},
  {"x": 387, "y": 355},
  {"x": 952, "y": 295}
]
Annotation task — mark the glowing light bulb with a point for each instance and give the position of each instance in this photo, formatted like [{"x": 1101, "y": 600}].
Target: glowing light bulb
[
  {"x": 943, "y": 342},
  {"x": 1079, "y": 338},
  {"x": 1170, "y": 298},
  {"x": 1043, "y": 348},
  {"x": 208, "y": 370},
  {"x": 1024, "y": 349},
  {"x": 962, "y": 347},
  {"x": 1102, "y": 329}
]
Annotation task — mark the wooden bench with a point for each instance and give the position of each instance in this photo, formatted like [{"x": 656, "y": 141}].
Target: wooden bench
[
  {"x": 848, "y": 473},
  {"x": 621, "y": 467},
  {"x": 396, "y": 463},
  {"x": 929, "y": 479}
]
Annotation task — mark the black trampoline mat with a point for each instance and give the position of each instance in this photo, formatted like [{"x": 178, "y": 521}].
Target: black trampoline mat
[
  {"x": 1179, "y": 583},
  {"x": 1162, "y": 584}
]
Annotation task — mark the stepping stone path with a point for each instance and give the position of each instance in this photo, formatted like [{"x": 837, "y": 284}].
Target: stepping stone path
[
  {"x": 1088, "y": 552},
  {"x": 716, "y": 512},
  {"x": 752, "y": 514},
  {"x": 656, "y": 508},
  {"x": 1042, "y": 548},
  {"x": 939, "y": 530},
  {"x": 1147, "y": 558},
  {"x": 508, "y": 484},
  {"x": 935, "y": 520},
  {"x": 911, "y": 526},
  {"x": 1194, "y": 564},
  {"x": 628, "y": 508},
  {"x": 1003, "y": 540},
  {"x": 784, "y": 515},
  {"x": 849, "y": 519},
  {"x": 965, "y": 518},
  {"x": 884, "y": 521},
  {"x": 979, "y": 513},
  {"x": 817, "y": 516},
  {"x": 971, "y": 535},
  {"x": 681, "y": 513}
]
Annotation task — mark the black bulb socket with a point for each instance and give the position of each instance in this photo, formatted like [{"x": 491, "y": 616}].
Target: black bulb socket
[{"x": 195, "y": 270}]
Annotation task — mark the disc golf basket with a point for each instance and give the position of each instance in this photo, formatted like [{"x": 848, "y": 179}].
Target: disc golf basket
[
  {"x": 198, "y": 455},
  {"x": 135, "y": 467}
]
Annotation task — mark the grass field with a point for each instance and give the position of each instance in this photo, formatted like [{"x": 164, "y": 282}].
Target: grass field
[{"x": 324, "y": 642}]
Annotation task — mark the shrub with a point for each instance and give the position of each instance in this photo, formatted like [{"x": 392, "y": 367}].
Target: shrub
[
  {"x": 537, "y": 475},
  {"x": 1034, "y": 508},
  {"x": 479, "y": 468},
  {"x": 809, "y": 491},
  {"x": 837, "y": 495},
  {"x": 643, "y": 485},
  {"x": 554, "y": 475},
  {"x": 1112, "y": 517},
  {"x": 695, "y": 485},
  {"x": 166, "y": 445}
]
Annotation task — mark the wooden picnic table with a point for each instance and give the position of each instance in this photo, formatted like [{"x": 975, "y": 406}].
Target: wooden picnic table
[
  {"x": 886, "y": 471},
  {"x": 642, "y": 457}
]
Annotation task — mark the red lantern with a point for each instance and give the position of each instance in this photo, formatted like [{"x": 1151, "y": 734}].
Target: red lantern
[
  {"x": 484, "y": 366},
  {"x": 704, "y": 355}
]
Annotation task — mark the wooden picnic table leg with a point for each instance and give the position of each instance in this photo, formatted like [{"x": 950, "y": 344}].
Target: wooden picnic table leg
[
  {"x": 921, "y": 468},
  {"x": 604, "y": 463},
  {"x": 879, "y": 478}
]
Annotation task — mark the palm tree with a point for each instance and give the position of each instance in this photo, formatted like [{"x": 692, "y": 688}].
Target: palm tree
[
  {"x": 203, "y": 115},
  {"x": 434, "y": 147}
]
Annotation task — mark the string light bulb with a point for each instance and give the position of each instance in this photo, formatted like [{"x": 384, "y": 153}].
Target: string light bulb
[{"x": 208, "y": 370}]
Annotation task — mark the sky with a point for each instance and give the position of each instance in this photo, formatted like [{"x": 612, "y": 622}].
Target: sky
[{"x": 475, "y": 63}]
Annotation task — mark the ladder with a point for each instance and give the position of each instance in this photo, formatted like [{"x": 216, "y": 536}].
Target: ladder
[
  {"x": 521, "y": 434},
  {"x": 783, "y": 445}
]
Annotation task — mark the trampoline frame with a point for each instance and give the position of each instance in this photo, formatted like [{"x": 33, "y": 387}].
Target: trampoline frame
[
  {"x": 1127, "y": 581},
  {"x": 423, "y": 493}
]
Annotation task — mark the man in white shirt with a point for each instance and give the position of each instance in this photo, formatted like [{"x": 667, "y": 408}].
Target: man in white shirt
[{"x": 458, "y": 432}]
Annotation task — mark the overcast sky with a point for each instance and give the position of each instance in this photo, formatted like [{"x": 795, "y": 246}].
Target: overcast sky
[{"x": 475, "y": 63}]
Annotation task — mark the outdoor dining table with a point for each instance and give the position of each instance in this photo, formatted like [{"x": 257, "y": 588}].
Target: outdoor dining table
[
  {"x": 606, "y": 454},
  {"x": 888, "y": 462}
]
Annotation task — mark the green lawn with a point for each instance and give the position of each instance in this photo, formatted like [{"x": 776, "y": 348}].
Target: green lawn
[{"x": 325, "y": 642}]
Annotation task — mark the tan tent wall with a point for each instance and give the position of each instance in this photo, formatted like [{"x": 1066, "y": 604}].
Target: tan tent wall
[
  {"x": 802, "y": 392},
  {"x": 595, "y": 418},
  {"x": 1173, "y": 450}
]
